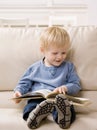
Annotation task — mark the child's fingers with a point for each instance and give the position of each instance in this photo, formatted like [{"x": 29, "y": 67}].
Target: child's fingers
[{"x": 17, "y": 94}]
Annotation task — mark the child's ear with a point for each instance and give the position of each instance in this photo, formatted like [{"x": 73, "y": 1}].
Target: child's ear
[{"x": 42, "y": 49}]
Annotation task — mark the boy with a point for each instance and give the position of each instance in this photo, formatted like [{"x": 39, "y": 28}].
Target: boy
[{"x": 54, "y": 73}]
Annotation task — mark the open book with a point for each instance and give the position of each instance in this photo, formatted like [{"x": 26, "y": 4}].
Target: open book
[{"x": 47, "y": 94}]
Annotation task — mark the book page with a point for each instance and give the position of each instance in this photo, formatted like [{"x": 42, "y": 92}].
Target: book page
[
  {"x": 34, "y": 95},
  {"x": 43, "y": 92},
  {"x": 78, "y": 99},
  {"x": 81, "y": 105},
  {"x": 28, "y": 96}
]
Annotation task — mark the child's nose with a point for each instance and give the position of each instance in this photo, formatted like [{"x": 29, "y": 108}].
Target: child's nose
[{"x": 59, "y": 56}]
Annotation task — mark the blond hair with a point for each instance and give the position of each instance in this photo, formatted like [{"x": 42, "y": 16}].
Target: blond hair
[{"x": 54, "y": 36}]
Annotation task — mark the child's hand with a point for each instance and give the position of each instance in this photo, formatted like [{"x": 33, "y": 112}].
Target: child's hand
[
  {"x": 17, "y": 94},
  {"x": 61, "y": 89}
]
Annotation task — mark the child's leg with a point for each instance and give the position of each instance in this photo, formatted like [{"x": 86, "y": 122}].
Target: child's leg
[
  {"x": 31, "y": 105},
  {"x": 39, "y": 113},
  {"x": 63, "y": 110}
]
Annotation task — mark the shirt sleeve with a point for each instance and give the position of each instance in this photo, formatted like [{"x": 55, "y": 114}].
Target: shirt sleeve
[
  {"x": 25, "y": 83},
  {"x": 73, "y": 81}
]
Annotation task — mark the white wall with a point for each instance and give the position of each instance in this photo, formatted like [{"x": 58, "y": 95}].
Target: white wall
[
  {"x": 92, "y": 12},
  {"x": 82, "y": 10}
]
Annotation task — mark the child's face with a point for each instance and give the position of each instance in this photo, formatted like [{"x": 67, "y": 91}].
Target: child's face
[{"x": 54, "y": 56}]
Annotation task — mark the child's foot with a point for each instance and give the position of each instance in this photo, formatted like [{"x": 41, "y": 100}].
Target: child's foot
[
  {"x": 39, "y": 113},
  {"x": 63, "y": 109}
]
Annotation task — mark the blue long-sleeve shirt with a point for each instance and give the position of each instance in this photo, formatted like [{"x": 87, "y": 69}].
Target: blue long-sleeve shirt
[{"x": 38, "y": 76}]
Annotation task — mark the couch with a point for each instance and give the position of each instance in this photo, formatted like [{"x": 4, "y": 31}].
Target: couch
[{"x": 19, "y": 48}]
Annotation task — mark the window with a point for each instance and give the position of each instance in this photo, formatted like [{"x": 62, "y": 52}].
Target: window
[{"x": 45, "y": 12}]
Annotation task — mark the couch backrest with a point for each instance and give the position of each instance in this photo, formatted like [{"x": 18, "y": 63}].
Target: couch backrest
[
  {"x": 19, "y": 48},
  {"x": 84, "y": 54}
]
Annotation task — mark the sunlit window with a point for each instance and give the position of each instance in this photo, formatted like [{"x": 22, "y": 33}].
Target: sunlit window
[{"x": 44, "y": 12}]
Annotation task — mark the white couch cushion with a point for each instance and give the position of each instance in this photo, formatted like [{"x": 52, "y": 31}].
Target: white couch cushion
[
  {"x": 84, "y": 54},
  {"x": 11, "y": 119},
  {"x": 19, "y": 47}
]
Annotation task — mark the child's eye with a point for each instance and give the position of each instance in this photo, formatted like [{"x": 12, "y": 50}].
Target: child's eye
[
  {"x": 63, "y": 53},
  {"x": 54, "y": 53}
]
